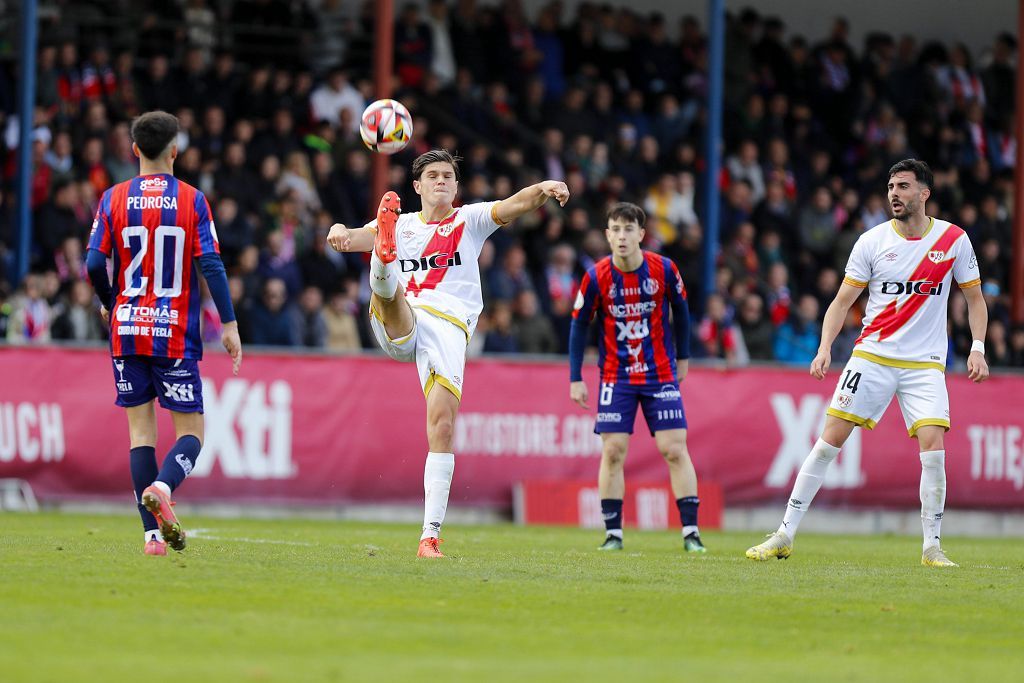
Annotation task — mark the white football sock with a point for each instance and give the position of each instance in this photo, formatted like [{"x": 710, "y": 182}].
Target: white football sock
[
  {"x": 383, "y": 281},
  {"x": 163, "y": 487},
  {"x": 437, "y": 482},
  {"x": 153, "y": 535},
  {"x": 808, "y": 481},
  {"x": 933, "y": 495},
  {"x": 687, "y": 530}
]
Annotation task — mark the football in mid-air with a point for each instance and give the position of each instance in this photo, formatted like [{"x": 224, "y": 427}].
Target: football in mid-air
[{"x": 386, "y": 126}]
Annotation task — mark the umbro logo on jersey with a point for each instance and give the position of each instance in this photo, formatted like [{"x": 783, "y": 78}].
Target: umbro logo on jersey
[
  {"x": 912, "y": 287},
  {"x": 891, "y": 256},
  {"x": 411, "y": 265},
  {"x": 936, "y": 256}
]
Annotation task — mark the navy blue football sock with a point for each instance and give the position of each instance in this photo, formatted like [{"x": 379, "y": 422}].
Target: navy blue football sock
[
  {"x": 688, "y": 510},
  {"x": 611, "y": 510},
  {"x": 180, "y": 461},
  {"x": 143, "y": 466}
]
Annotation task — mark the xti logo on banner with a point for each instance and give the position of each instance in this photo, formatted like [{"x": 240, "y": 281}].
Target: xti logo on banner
[{"x": 248, "y": 430}]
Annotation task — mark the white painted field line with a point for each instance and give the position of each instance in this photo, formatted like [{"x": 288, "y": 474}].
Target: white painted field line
[{"x": 203, "y": 533}]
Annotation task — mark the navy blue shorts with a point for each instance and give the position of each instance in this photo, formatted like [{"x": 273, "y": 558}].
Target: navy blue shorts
[
  {"x": 616, "y": 407},
  {"x": 174, "y": 381}
]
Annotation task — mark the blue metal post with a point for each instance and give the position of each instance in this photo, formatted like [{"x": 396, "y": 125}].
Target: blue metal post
[
  {"x": 26, "y": 102},
  {"x": 716, "y": 64}
]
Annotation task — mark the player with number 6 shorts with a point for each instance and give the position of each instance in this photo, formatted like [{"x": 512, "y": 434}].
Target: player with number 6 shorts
[
  {"x": 426, "y": 298},
  {"x": 639, "y": 301},
  {"x": 908, "y": 266}
]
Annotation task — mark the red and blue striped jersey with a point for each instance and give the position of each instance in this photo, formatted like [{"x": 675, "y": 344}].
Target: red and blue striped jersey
[
  {"x": 153, "y": 227},
  {"x": 637, "y": 342}
]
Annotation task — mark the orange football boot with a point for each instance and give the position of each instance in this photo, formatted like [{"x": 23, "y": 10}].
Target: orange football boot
[
  {"x": 387, "y": 216},
  {"x": 159, "y": 503},
  {"x": 428, "y": 548}
]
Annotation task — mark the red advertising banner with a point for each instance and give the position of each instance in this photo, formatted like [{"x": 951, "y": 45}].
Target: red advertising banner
[
  {"x": 333, "y": 429},
  {"x": 647, "y": 505}
]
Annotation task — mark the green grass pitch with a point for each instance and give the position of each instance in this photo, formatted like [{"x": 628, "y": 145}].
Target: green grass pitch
[{"x": 296, "y": 600}]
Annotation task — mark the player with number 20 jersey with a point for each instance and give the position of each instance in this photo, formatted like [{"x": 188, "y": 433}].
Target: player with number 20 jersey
[
  {"x": 152, "y": 227},
  {"x": 155, "y": 228}
]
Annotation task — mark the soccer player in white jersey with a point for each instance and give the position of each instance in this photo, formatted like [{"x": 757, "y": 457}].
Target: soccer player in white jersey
[
  {"x": 426, "y": 297},
  {"x": 908, "y": 266}
]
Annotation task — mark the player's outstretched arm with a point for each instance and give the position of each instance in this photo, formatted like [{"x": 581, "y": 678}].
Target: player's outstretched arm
[
  {"x": 530, "y": 198},
  {"x": 977, "y": 318},
  {"x": 830, "y": 327},
  {"x": 343, "y": 238}
]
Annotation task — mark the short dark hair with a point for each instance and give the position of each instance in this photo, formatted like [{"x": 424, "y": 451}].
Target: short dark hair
[
  {"x": 153, "y": 131},
  {"x": 432, "y": 157},
  {"x": 628, "y": 211},
  {"x": 920, "y": 169}
]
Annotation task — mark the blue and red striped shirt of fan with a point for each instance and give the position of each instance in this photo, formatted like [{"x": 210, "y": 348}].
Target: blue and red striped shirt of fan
[
  {"x": 638, "y": 341},
  {"x": 153, "y": 227}
]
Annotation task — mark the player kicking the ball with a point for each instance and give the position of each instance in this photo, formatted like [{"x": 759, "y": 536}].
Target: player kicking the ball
[
  {"x": 156, "y": 228},
  {"x": 643, "y": 355},
  {"x": 426, "y": 298},
  {"x": 907, "y": 265}
]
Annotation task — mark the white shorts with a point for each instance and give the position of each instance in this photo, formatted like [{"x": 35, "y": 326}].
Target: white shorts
[
  {"x": 866, "y": 388},
  {"x": 437, "y": 345}
]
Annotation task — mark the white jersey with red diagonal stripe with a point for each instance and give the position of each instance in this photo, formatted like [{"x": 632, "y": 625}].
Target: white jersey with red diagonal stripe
[
  {"x": 437, "y": 262},
  {"x": 908, "y": 283}
]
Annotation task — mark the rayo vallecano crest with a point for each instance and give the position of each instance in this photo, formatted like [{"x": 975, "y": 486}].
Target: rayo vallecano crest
[
  {"x": 449, "y": 228},
  {"x": 936, "y": 256}
]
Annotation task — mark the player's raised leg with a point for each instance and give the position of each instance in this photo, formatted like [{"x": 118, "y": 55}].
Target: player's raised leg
[
  {"x": 388, "y": 298},
  {"x": 142, "y": 435},
  {"x": 611, "y": 483},
  {"x": 383, "y": 279},
  {"x": 933, "y": 494},
  {"x": 808, "y": 482},
  {"x": 672, "y": 446},
  {"x": 442, "y": 409}
]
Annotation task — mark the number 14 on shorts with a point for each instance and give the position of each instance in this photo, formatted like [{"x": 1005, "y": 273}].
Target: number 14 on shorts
[{"x": 851, "y": 380}]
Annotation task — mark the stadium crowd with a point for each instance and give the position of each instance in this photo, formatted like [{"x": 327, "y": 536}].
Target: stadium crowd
[{"x": 269, "y": 94}]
